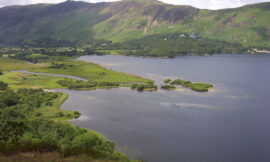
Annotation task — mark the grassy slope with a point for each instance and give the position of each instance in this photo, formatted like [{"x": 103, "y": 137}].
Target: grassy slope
[
  {"x": 125, "y": 20},
  {"x": 248, "y": 25}
]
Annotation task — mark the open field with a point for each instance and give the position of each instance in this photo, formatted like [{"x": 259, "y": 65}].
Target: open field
[
  {"x": 18, "y": 80},
  {"x": 92, "y": 72},
  {"x": 89, "y": 71},
  {"x": 7, "y": 64}
]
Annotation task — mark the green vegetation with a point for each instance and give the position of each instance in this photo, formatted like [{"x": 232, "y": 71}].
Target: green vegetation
[
  {"x": 57, "y": 157},
  {"x": 90, "y": 71},
  {"x": 73, "y": 23},
  {"x": 166, "y": 81},
  {"x": 171, "y": 45},
  {"x": 168, "y": 87},
  {"x": 79, "y": 84},
  {"x": 144, "y": 87},
  {"x": 18, "y": 80},
  {"x": 31, "y": 121},
  {"x": 200, "y": 87},
  {"x": 8, "y": 64},
  {"x": 3, "y": 86}
]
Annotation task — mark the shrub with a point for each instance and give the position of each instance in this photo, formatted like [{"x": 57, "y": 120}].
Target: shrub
[
  {"x": 3, "y": 86},
  {"x": 167, "y": 81},
  {"x": 167, "y": 87}
]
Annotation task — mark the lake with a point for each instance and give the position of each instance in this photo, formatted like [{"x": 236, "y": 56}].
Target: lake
[{"x": 228, "y": 124}]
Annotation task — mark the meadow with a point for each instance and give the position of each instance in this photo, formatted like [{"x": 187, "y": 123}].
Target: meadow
[{"x": 89, "y": 71}]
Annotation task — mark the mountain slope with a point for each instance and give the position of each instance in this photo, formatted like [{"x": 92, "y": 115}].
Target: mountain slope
[{"x": 131, "y": 19}]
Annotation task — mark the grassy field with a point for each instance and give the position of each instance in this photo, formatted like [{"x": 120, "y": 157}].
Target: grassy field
[
  {"x": 90, "y": 71},
  {"x": 7, "y": 64},
  {"x": 18, "y": 80}
]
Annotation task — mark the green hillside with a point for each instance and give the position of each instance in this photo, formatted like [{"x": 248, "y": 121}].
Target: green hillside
[{"x": 82, "y": 22}]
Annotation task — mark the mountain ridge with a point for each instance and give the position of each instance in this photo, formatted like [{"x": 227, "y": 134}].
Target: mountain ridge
[{"x": 83, "y": 22}]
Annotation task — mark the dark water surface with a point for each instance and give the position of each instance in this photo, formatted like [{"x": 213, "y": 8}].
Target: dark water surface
[{"x": 228, "y": 124}]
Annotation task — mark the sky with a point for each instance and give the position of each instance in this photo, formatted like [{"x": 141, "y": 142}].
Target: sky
[{"x": 205, "y": 4}]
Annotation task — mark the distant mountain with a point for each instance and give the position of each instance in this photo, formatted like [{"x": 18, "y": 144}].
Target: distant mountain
[{"x": 83, "y": 22}]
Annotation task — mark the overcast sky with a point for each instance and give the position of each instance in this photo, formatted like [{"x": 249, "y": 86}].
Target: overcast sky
[{"x": 207, "y": 4}]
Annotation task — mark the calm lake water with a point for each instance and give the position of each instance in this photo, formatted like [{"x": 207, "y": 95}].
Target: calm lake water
[{"x": 228, "y": 124}]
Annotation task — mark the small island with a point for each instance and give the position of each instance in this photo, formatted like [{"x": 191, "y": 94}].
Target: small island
[
  {"x": 144, "y": 87},
  {"x": 199, "y": 87},
  {"x": 168, "y": 87}
]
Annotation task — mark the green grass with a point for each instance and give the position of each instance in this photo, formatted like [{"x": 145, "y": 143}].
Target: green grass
[
  {"x": 200, "y": 87},
  {"x": 127, "y": 22},
  {"x": 7, "y": 64},
  {"x": 54, "y": 112},
  {"x": 18, "y": 80},
  {"x": 92, "y": 72}
]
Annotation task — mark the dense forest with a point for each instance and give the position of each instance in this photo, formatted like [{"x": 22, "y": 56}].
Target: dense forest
[{"x": 174, "y": 44}]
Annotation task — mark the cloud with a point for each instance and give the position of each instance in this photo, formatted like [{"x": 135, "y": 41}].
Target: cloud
[
  {"x": 25, "y": 2},
  {"x": 205, "y": 4}
]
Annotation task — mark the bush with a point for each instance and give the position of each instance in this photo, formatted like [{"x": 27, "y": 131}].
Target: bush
[
  {"x": 142, "y": 87},
  {"x": 167, "y": 81},
  {"x": 3, "y": 86},
  {"x": 77, "y": 84},
  {"x": 167, "y": 87},
  {"x": 77, "y": 114},
  {"x": 91, "y": 141}
]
